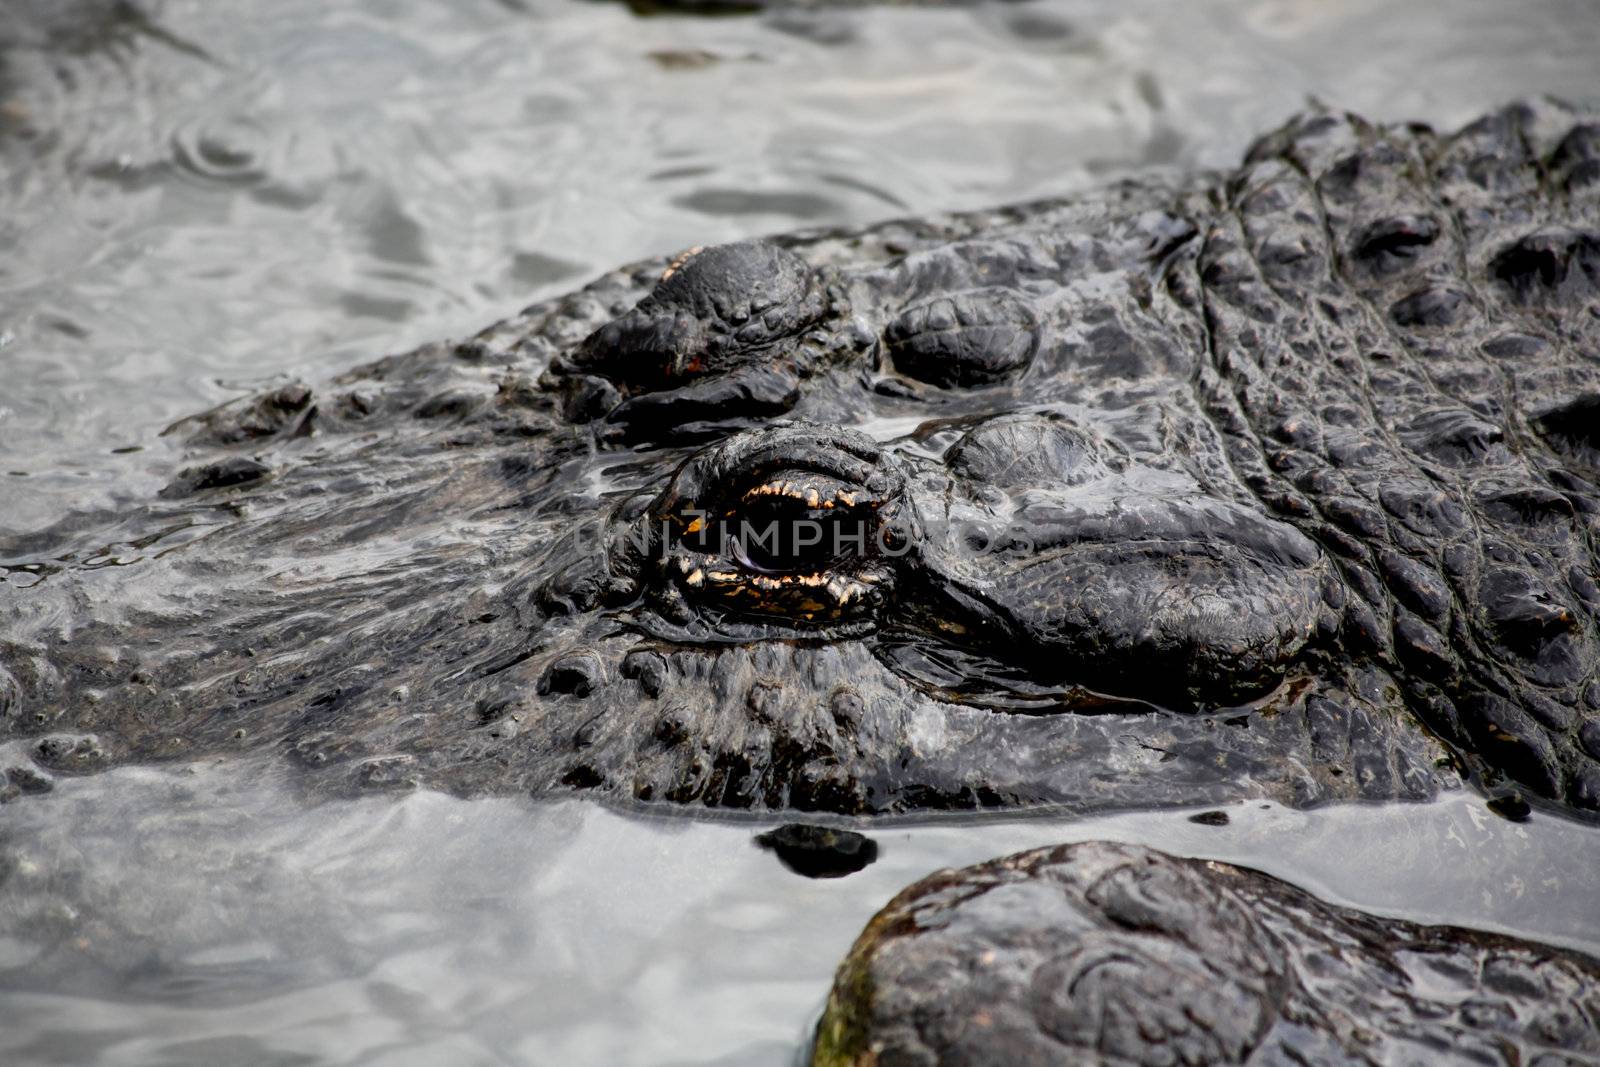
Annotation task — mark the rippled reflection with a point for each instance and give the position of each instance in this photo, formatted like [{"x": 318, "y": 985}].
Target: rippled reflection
[
  {"x": 206, "y": 916},
  {"x": 198, "y": 198},
  {"x": 204, "y": 198}
]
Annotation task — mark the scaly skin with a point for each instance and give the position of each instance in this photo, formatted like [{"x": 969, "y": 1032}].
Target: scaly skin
[
  {"x": 1259, "y": 485},
  {"x": 1101, "y": 953}
]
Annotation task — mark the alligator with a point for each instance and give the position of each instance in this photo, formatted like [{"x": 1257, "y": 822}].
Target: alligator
[
  {"x": 1277, "y": 484},
  {"x": 1113, "y": 953}
]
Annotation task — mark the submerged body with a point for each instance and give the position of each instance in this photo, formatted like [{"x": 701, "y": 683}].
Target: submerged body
[
  {"x": 1107, "y": 953},
  {"x": 1276, "y": 484}
]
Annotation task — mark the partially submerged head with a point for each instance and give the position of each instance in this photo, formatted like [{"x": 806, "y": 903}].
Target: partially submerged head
[
  {"x": 1092, "y": 503},
  {"x": 801, "y": 616}
]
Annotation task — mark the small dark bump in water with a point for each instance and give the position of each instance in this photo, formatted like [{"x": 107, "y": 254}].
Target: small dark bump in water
[
  {"x": 1511, "y": 806},
  {"x": 126, "y": 449},
  {"x": 69, "y": 328},
  {"x": 362, "y": 306},
  {"x": 818, "y": 851},
  {"x": 819, "y": 27},
  {"x": 669, "y": 174},
  {"x": 694, "y": 7},
  {"x": 1210, "y": 818},
  {"x": 1150, "y": 90},
  {"x": 1035, "y": 26}
]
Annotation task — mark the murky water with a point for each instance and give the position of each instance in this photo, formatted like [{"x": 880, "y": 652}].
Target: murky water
[
  {"x": 223, "y": 194},
  {"x": 205, "y": 916}
]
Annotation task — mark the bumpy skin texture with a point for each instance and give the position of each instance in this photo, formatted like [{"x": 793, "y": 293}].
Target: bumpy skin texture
[
  {"x": 1101, "y": 953},
  {"x": 1251, "y": 486}
]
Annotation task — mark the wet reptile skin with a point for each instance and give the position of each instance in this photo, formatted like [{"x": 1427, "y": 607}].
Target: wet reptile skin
[
  {"x": 1117, "y": 954},
  {"x": 1278, "y": 483}
]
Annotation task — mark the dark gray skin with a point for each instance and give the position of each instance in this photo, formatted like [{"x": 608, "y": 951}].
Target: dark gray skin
[
  {"x": 1279, "y": 484},
  {"x": 1101, "y": 953}
]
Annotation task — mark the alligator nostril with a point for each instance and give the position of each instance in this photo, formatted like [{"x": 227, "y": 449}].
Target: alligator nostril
[{"x": 575, "y": 674}]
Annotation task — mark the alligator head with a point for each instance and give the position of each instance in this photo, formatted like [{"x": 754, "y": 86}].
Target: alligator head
[
  {"x": 1169, "y": 494},
  {"x": 803, "y": 616}
]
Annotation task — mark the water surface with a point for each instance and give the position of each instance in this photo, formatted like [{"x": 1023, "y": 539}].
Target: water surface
[
  {"x": 205, "y": 915},
  {"x": 222, "y": 195},
  {"x": 227, "y": 194}
]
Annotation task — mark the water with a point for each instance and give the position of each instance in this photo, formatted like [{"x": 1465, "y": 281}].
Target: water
[
  {"x": 261, "y": 190},
  {"x": 205, "y": 916},
  {"x": 228, "y": 194}
]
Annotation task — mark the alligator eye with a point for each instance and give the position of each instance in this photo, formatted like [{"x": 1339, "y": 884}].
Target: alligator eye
[{"x": 794, "y": 525}]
